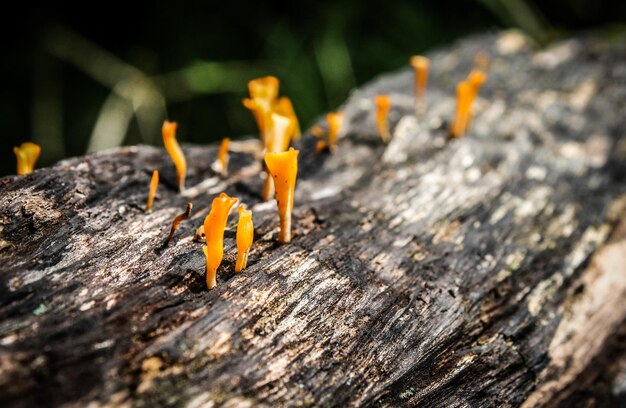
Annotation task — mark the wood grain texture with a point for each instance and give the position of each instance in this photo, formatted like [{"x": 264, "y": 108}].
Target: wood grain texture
[{"x": 485, "y": 271}]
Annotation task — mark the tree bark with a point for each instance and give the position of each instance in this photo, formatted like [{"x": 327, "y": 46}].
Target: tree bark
[{"x": 484, "y": 271}]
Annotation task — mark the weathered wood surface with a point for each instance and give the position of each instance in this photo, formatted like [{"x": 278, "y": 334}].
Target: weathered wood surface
[{"x": 486, "y": 271}]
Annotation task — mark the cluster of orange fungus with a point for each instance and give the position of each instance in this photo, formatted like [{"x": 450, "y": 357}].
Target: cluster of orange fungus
[
  {"x": 221, "y": 164},
  {"x": 335, "y": 120},
  {"x": 466, "y": 93},
  {"x": 383, "y": 104},
  {"x": 263, "y": 95},
  {"x": 245, "y": 235},
  {"x": 175, "y": 152},
  {"x": 27, "y": 155},
  {"x": 420, "y": 67},
  {"x": 214, "y": 225},
  {"x": 154, "y": 183},
  {"x": 283, "y": 168},
  {"x": 176, "y": 223}
]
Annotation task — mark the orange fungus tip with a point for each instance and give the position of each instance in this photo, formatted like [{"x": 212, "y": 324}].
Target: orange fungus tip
[
  {"x": 175, "y": 152},
  {"x": 383, "y": 104},
  {"x": 214, "y": 225},
  {"x": 245, "y": 236},
  {"x": 264, "y": 88},
  {"x": 154, "y": 183},
  {"x": 283, "y": 168},
  {"x": 27, "y": 155}
]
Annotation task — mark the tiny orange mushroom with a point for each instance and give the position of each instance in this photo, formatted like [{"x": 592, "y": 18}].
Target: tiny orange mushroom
[
  {"x": 245, "y": 236},
  {"x": 154, "y": 183},
  {"x": 420, "y": 67},
  {"x": 175, "y": 152},
  {"x": 279, "y": 136},
  {"x": 383, "y": 103},
  {"x": 464, "y": 91},
  {"x": 285, "y": 107},
  {"x": 263, "y": 94},
  {"x": 283, "y": 167},
  {"x": 214, "y": 225},
  {"x": 27, "y": 155},
  {"x": 467, "y": 91},
  {"x": 221, "y": 164},
  {"x": 335, "y": 120}
]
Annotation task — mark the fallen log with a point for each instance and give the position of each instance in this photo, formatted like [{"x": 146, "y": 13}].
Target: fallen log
[{"x": 484, "y": 271}]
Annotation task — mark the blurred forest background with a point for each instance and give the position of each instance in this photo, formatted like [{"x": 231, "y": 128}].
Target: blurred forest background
[{"x": 81, "y": 78}]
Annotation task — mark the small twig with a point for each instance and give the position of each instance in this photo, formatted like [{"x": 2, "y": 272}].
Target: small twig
[{"x": 179, "y": 218}]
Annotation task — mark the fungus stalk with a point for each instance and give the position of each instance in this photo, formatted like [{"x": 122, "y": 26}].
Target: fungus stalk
[
  {"x": 175, "y": 152},
  {"x": 334, "y": 120},
  {"x": 382, "y": 111},
  {"x": 154, "y": 183},
  {"x": 420, "y": 69},
  {"x": 263, "y": 95},
  {"x": 214, "y": 225},
  {"x": 285, "y": 108},
  {"x": 284, "y": 168},
  {"x": 245, "y": 235},
  {"x": 27, "y": 155},
  {"x": 176, "y": 223}
]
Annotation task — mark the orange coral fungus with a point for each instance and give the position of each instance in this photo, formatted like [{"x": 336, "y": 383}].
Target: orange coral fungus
[
  {"x": 214, "y": 225},
  {"x": 176, "y": 223},
  {"x": 263, "y": 94},
  {"x": 154, "y": 183},
  {"x": 27, "y": 155},
  {"x": 221, "y": 164},
  {"x": 466, "y": 94},
  {"x": 383, "y": 103},
  {"x": 284, "y": 168},
  {"x": 285, "y": 108},
  {"x": 334, "y": 119},
  {"x": 175, "y": 152},
  {"x": 464, "y": 91},
  {"x": 280, "y": 130},
  {"x": 245, "y": 235},
  {"x": 420, "y": 68},
  {"x": 334, "y": 127}
]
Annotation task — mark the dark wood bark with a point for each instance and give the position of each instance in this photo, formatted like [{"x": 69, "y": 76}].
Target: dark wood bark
[{"x": 485, "y": 271}]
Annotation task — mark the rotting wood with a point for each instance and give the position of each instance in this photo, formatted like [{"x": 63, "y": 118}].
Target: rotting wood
[{"x": 484, "y": 271}]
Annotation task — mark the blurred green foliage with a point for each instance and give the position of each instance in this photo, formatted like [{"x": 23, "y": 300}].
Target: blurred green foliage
[{"x": 93, "y": 76}]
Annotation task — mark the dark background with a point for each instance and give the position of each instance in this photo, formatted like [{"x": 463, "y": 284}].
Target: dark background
[{"x": 100, "y": 74}]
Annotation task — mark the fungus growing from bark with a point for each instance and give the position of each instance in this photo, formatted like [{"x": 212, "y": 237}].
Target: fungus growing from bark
[
  {"x": 199, "y": 234},
  {"x": 280, "y": 130},
  {"x": 383, "y": 103},
  {"x": 263, "y": 93},
  {"x": 214, "y": 225},
  {"x": 27, "y": 155},
  {"x": 466, "y": 93},
  {"x": 175, "y": 152},
  {"x": 420, "y": 69},
  {"x": 334, "y": 119},
  {"x": 176, "y": 223},
  {"x": 285, "y": 108},
  {"x": 221, "y": 164},
  {"x": 245, "y": 235},
  {"x": 284, "y": 168},
  {"x": 154, "y": 183}
]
